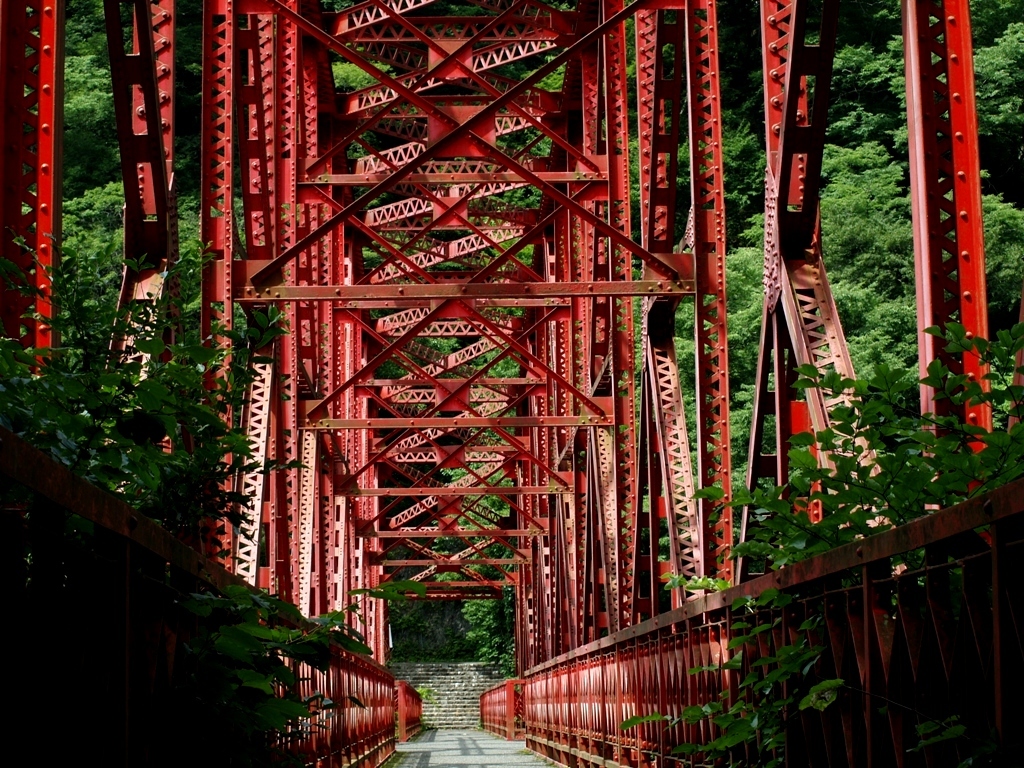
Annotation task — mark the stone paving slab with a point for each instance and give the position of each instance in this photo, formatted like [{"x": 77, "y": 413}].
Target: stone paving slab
[{"x": 475, "y": 749}]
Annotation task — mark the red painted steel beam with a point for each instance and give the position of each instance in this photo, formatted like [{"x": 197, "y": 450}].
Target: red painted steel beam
[
  {"x": 462, "y": 533},
  {"x": 31, "y": 124},
  {"x": 353, "y": 293},
  {"x": 143, "y": 109},
  {"x": 800, "y": 324},
  {"x": 707, "y": 239},
  {"x": 945, "y": 183}
]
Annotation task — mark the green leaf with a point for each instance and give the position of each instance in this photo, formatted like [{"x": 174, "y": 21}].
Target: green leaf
[
  {"x": 822, "y": 695},
  {"x": 636, "y": 720},
  {"x": 257, "y": 680},
  {"x": 693, "y": 714},
  {"x": 278, "y": 713},
  {"x": 236, "y": 643},
  {"x": 152, "y": 347}
]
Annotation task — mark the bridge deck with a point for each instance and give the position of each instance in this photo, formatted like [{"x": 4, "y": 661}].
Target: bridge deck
[{"x": 479, "y": 749}]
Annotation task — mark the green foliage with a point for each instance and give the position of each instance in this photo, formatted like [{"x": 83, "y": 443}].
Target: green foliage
[
  {"x": 349, "y": 77},
  {"x": 90, "y": 140},
  {"x": 887, "y": 463},
  {"x": 238, "y": 693},
  {"x": 111, "y": 415},
  {"x": 1000, "y": 84},
  {"x": 492, "y": 630},
  {"x": 429, "y": 630}
]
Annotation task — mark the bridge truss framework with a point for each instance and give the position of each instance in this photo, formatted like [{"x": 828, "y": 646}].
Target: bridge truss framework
[{"x": 481, "y": 349}]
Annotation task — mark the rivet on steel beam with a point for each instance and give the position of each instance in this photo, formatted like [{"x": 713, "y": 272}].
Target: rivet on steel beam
[
  {"x": 959, "y": 136},
  {"x": 963, "y": 215},
  {"x": 961, "y": 175},
  {"x": 967, "y": 295}
]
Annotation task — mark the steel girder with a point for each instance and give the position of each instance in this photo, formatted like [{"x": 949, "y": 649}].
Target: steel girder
[
  {"x": 31, "y": 124},
  {"x": 945, "y": 185}
]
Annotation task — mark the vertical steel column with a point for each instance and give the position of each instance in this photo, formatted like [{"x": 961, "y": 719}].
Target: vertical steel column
[
  {"x": 143, "y": 88},
  {"x": 143, "y": 107},
  {"x": 216, "y": 214},
  {"x": 707, "y": 222},
  {"x": 945, "y": 183},
  {"x": 623, "y": 379},
  {"x": 31, "y": 124},
  {"x": 665, "y": 447}
]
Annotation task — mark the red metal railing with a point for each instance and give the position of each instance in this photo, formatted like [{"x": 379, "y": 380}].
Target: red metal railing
[
  {"x": 501, "y": 709},
  {"x": 915, "y": 646},
  {"x": 97, "y": 588},
  {"x": 409, "y": 705}
]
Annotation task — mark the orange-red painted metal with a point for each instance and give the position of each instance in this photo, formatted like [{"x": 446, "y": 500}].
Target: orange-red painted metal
[
  {"x": 930, "y": 641},
  {"x": 501, "y": 709},
  {"x": 945, "y": 183},
  {"x": 31, "y": 125},
  {"x": 409, "y": 705},
  {"x": 450, "y": 249}
]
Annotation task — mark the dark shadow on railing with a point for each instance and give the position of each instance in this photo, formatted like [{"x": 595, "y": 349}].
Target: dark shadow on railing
[
  {"x": 501, "y": 709},
  {"x": 97, "y": 639},
  {"x": 915, "y": 646}
]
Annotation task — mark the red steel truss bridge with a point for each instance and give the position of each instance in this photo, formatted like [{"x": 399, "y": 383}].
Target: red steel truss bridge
[{"x": 480, "y": 341}]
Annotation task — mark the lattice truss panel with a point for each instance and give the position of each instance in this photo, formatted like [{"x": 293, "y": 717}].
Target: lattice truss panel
[
  {"x": 447, "y": 236},
  {"x": 450, "y": 244}
]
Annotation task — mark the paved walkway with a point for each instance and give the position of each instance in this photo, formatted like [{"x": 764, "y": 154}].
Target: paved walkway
[{"x": 478, "y": 749}]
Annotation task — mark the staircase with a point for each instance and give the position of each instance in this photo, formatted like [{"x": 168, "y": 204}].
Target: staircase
[{"x": 451, "y": 691}]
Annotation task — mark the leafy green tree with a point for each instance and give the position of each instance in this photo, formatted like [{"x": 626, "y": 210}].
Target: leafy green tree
[{"x": 492, "y": 630}]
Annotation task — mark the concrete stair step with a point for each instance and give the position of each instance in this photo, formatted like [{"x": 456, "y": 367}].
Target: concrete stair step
[{"x": 456, "y": 689}]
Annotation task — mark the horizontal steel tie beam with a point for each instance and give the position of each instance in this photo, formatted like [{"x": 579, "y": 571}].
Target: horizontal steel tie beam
[
  {"x": 361, "y": 179},
  {"x": 468, "y": 561},
  {"x": 458, "y": 422},
  {"x": 469, "y": 290},
  {"x": 478, "y": 490},
  {"x": 455, "y": 533},
  {"x": 550, "y": 301}
]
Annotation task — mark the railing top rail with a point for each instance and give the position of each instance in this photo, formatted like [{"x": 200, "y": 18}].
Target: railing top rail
[
  {"x": 502, "y": 684},
  {"x": 41, "y": 474},
  {"x": 963, "y": 517}
]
